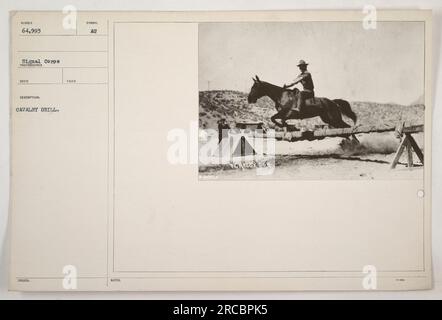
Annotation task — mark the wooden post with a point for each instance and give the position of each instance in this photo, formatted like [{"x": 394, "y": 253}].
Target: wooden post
[
  {"x": 410, "y": 144},
  {"x": 409, "y": 154},
  {"x": 415, "y": 147},
  {"x": 398, "y": 154}
]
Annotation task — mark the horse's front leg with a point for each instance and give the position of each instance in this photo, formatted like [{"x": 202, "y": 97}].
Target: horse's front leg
[
  {"x": 278, "y": 116},
  {"x": 273, "y": 118},
  {"x": 283, "y": 116}
]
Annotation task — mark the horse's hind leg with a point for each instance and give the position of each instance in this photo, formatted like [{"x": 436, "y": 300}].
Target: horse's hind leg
[
  {"x": 336, "y": 119},
  {"x": 329, "y": 118},
  {"x": 324, "y": 117},
  {"x": 333, "y": 120},
  {"x": 341, "y": 124}
]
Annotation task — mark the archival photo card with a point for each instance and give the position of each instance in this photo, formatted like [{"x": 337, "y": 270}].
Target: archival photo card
[{"x": 220, "y": 151}]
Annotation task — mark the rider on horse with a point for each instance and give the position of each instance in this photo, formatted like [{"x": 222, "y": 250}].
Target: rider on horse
[{"x": 307, "y": 82}]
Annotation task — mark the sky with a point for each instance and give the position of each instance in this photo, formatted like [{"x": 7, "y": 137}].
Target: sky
[{"x": 384, "y": 65}]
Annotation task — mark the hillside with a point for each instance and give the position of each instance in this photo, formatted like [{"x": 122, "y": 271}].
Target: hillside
[{"x": 233, "y": 106}]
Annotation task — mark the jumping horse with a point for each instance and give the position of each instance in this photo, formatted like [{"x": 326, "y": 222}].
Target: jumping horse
[{"x": 330, "y": 111}]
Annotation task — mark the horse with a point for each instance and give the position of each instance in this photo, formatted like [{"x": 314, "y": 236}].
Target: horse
[{"x": 330, "y": 111}]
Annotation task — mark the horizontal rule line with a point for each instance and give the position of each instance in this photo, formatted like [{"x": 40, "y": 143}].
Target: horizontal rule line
[
  {"x": 264, "y": 271},
  {"x": 62, "y": 51},
  {"x": 41, "y": 67},
  {"x": 63, "y": 35},
  {"x": 55, "y": 83}
]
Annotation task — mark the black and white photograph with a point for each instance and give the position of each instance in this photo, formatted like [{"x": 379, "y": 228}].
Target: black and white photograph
[{"x": 312, "y": 100}]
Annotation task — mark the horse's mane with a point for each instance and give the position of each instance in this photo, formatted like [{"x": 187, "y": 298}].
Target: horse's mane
[{"x": 275, "y": 87}]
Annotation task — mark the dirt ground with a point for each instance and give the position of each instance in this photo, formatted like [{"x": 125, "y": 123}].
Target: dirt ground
[{"x": 331, "y": 158}]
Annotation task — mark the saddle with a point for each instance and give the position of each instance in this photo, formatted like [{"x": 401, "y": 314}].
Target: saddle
[
  {"x": 311, "y": 101},
  {"x": 290, "y": 97}
]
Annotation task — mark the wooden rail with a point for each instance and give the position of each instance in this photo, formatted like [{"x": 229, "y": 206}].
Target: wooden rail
[{"x": 341, "y": 132}]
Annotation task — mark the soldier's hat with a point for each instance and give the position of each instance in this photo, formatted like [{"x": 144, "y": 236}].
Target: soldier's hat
[{"x": 302, "y": 63}]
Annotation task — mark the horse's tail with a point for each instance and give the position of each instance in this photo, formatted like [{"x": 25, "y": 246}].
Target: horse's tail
[{"x": 345, "y": 109}]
